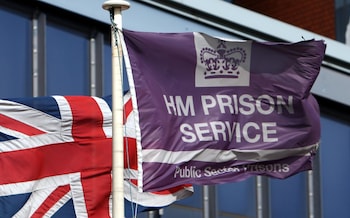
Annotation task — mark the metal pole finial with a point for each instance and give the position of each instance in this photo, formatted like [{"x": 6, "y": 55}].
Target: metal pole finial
[{"x": 123, "y": 5}]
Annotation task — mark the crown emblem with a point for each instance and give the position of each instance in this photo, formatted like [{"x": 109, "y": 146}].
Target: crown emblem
[{"x": 222, "y": 62}]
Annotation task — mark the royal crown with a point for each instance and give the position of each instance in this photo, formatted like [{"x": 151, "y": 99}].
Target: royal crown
[{"x": 222, "y": 62}]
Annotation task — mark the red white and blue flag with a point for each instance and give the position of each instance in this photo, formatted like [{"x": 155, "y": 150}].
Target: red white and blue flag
[
  {"x": 210, "y": 110},
  {"x": 55, "y": 157},
  {"x": 55, "y": 160}
]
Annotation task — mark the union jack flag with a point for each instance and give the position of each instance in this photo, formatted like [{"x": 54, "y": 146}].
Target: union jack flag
[{"x": 55, "y": 159}]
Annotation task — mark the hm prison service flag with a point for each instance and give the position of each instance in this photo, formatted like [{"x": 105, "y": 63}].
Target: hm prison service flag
[{"x": 211, "y": 111}]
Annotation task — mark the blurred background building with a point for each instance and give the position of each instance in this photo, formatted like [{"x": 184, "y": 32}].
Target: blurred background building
[{"x": 62, "y": 47}]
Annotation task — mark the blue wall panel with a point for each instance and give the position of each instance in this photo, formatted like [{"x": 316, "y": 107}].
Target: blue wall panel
[
  {"x": 15, "y": 55},
  {"x": 238, "y": 197},
  {"x": 335, "y": 168},
  {"x": 67, "y": 61},
  {"x": 289, "y": 196}
]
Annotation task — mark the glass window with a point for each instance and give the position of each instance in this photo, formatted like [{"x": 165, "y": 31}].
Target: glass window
[
  {"x": 15, "y": 55},
  {"x": 335, "y": 167},
  {"x": 238, "y": 198},
  {"x": 289, "y": 196},
  {"x": 67, "y": 58}
]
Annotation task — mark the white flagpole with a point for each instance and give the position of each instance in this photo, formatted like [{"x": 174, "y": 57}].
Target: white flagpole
[{"x": 116, "y": 7}]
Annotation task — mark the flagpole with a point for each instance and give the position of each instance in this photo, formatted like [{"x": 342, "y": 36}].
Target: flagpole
[{"x": 115, "y": 7}]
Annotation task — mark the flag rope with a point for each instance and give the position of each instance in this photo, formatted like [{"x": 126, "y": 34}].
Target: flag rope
[{"x": 114, "y": 26}]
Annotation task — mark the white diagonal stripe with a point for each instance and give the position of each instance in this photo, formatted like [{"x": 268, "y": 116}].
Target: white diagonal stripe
[
  {"x": 31, "y": 142},
  {"x": 29, "y": 116},
  {"x": 107, "y": 116},
  {"x": 30, "y": 186}
]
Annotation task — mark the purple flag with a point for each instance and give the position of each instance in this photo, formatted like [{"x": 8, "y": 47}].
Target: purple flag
[{"x": 211, "y": 111}]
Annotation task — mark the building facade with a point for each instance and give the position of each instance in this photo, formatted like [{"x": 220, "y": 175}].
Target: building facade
[{"x": 55, "y": 47}]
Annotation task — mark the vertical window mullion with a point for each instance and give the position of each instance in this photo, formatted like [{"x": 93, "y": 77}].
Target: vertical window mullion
[
  {"x": 38, "y": 49},
  {"x": 262, "y": 197},
  {"x": 314, "y": 190},
  {"x": 96, "y": 65}
]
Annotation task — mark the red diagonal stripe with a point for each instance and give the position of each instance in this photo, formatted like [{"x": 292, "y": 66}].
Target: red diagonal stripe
[
  {"x": 127, "y": 109},
  {"x": 51, "y": 200},
  {"x": 18, "y": 126},
  {"x": 130, "y": 151},
  {"x": 87, "y": 118}
]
